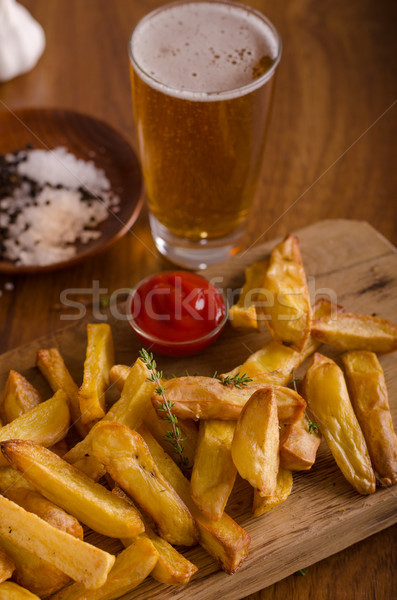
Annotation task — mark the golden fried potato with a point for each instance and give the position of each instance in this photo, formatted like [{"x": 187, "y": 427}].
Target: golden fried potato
[
  {"x": 321, "y": 308},
  {"x": 129, "y": 410},
  {"x": 98, "y": 361},
  {"x": 224, "y": 540},
  {"x": 132, "y": 566},
  {"x": 299, "y": 445},
  {"x": 11, "y": 591},
  {"x": 347, "y": 331},
  {"x": 10, "y": 477},
  {"x": 81, "y": 561},
  {"x": 118, "y": 375},
  {"x": 60, "y": 447},
  {"x": 244, "y": 315},
  {"x": 208, "y": 398},
  {"x": 271, "y": 365},
  {"x": 72, "y": 490},
  {"x": 31, "y": 571},
  {"x": 53, "y": 368},
  {"x": 288, "y": 311},
  {"x": 214, "y": 473},
  {"x": 256, "y": 441},
  {"x": 7, "y": 565},
  {"x": 172, "y": 568},
  {"x": 47, "y": 423},
  {"x": 328, "y": 399},
  {"x": 283, "y": 489},
  {"x": 128, "y": 461},
  {"x": 18, "y": 397},
  {"x": 368, "y": 393}
]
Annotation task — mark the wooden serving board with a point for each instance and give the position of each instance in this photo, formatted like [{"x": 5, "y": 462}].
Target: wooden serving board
[{"x": 354, "y": 264}]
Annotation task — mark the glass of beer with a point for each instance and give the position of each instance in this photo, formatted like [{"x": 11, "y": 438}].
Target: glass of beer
[{"x": 202, "y": 80}]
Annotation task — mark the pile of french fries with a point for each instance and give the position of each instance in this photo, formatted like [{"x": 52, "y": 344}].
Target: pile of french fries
[{"x": 122, "y": 478}]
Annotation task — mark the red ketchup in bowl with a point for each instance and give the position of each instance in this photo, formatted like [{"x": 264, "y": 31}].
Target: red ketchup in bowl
[{"x": 176, "y": 313}]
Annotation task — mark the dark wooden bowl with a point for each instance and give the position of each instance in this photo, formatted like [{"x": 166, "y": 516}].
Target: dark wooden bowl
[{"x": 82, "y": 135}]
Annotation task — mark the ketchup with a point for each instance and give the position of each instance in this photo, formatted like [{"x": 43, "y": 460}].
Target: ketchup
[{"x": 175, "y": 310}]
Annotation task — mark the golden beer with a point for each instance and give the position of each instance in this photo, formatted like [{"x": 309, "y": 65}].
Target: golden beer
[{"x": 202, "y": 81}]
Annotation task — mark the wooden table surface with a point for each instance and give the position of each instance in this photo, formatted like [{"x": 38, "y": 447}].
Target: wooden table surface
[{"x": 330, "y": 153}]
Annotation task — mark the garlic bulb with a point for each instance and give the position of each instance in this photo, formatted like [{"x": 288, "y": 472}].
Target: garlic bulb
[{"x": 22, "y": 40}]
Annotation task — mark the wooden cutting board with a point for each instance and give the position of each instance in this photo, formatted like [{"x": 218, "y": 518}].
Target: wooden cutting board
[{"x": 353, "y": 264}]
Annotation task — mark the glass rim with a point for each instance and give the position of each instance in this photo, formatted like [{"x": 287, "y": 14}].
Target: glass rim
[{"x": 209, "y": 95}]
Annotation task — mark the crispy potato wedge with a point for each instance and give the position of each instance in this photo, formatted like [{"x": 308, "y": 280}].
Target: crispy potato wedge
[
  {"x": 55, "y": 546},
  {"x": 288, "y": 311},
  {"x": 129, "y": 410},
  {"x": 18, "y": 397},
  {"x": 53, "y": 368},
  {"x": 256, "y": 442},
  {"x": 98, "y": 361},
  {"x": 328, "y": 399},
  {"x": 271, "y": 365},
  {"x": 60, "y": 447},
  {"x": 132, "y": 566},
  {"x": 10, "y": 477},
  {"x": 348, "y": 331},
  {"x": 172, "y": 568},
  {"x": 368, "y": 393},
  {"x": 214, "y": 473},
  {"x": 72, "y": 490},
  {"x": 283, "y": 489},
  {"x": 118, "y": 375},
  {"x": 243, "y": 315},
  {"x": 207, "y": 398},
  {"x": 12, "y": 591},
  {"x": 298, "y": 446},
  {"x": 323, "y": 307},
  {"x": 224, "y": 540},
  {"x": 47, "y": 423},
  {"x": 31, "y": 571},
  {"x": 128, "y": 461},
  {"x": 7, "y": 565}
]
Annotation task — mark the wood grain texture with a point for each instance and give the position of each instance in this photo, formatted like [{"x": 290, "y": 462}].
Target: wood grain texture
[
  {"x": 355, "y": 266},
  {"x": 330, "y": 154}
]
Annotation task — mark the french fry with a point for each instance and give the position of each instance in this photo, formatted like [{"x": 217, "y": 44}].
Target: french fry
[
  {"x": 31, "y": 571},
  {"x": 243, "y": 315},
  {"x": 97, "y": 364},
  {"x": 368, "y": 393},
  {"x": 81, "y": 561},
  {"x": 53, "y": 368},
  {"x": 12, "y": 591},
  {"x": 172, "y": 568},
  {"x": 18, "y": 397},
  {"x": 283, "y": 489},
  {"x": 128, "y": 461},
  {"x": 10, "y": 477},
  {"x": 208, "y": 398},
  {"x": 256, "y": 442},
  {"x": 129, "y": 410},
  {"x": 288, "y": 311},
  {"x": 224, "y": 540},
  {"x": 118, "y": 375},
  {"x": 328, "y": 399},
  {"x": 7, "y": 566},
  {"x": 298, "y": 446},
  {"x": 47, "y": 423},
  {"x": 132, "y": 566},
  {"x": 348, "y": 331},
  {"x": 323, "y": 307},
  {"x": 214, "y": 473},
  {"x": 72, "y": 490}
]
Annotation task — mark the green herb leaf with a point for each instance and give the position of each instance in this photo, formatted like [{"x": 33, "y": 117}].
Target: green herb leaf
[
  {"x": 237, "y": 380},
  {"x": 313, "y": 427}
]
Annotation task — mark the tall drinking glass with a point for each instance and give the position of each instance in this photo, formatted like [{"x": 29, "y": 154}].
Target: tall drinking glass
[{"x": 202, "y": 80}]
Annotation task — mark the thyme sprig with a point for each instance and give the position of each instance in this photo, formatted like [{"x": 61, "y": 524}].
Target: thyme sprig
[
  {"x": 237, "y": 380},
  {"x": 174, "y": 435},
  {"x": 313, "y": 427}
]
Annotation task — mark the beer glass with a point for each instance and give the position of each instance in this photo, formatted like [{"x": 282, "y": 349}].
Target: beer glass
[{"x": 202, "y": 77}]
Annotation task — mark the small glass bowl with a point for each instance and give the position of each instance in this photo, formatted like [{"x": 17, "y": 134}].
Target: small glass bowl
[{"x": 174, "y": 348}]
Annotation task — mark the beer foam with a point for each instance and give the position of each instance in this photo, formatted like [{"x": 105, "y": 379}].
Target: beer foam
[{"x": 205, "y": 50}]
